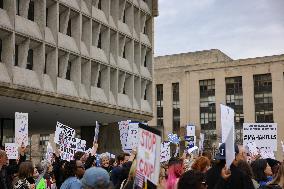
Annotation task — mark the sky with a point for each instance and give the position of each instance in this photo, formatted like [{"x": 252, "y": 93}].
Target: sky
[{"x": 239, "y": 28}]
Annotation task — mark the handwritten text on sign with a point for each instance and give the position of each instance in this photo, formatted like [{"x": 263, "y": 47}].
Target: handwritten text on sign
[
  {"x": 148, "y": 152},
  {"x": 21, "y": 128},
  {"x": 264, "y": 134}
]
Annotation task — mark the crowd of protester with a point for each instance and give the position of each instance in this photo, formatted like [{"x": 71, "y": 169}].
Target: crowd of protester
[{"x": 87, "y": 171}]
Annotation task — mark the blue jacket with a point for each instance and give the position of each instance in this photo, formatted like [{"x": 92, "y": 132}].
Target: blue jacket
[{"x": 71, "y": 183}]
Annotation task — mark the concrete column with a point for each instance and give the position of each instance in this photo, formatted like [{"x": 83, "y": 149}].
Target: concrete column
[
  {"x": 168, "y": 108},
  {"x": 35, "y": 148},
  {"x": 194, "y": 101},
  {"x": 248, "y": 96},
  {"x": 183, "y": 99},
  {"x": 278, "y": 103},
  {"x": 220, "y": 96}
]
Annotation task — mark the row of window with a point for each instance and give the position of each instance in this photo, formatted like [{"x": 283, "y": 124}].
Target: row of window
[{"x": 234, "y": 98}]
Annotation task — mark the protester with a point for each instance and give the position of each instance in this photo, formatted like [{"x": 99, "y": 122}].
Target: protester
[
  {"x": 274, "y": 164},
  {"x": 96, "y": 178},
  {"x": 236, "y": 179},
  {"x": 116, "y": 173},
  {"x": 25, "y": 176},
  {"x": 262, "y": 171},
  {"x": 175, "y": 171},
  {"x": 5, "y": 179},
  {"x": 201, "y": 164},
  {"x": 162, "y": 178},
  {"x": 129, "y": 182},
  {"x": 192, "y": 179},
  {"x": 104, "y": 160},
  {"x": 71, "y": 181},
  {"x": 278, "y": 181},
  {"x": 246, "y": 168}
]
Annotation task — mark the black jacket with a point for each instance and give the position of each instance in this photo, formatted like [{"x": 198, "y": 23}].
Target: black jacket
[{"x": 237, "y": 180}]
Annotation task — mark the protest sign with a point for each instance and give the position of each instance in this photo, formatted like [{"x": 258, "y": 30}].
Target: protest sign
[
  {"x": 190, "y": 150},
  {"x": 189, "y": 141},
  {"x": 148, "y": 154},
  {"x": 63, "y": 131},
  {"x": 252, "y": 148},
  {"x": 68, "y": 148},
  {"x": 123, "y": 131},
  {"x": 263, "y": 134},
  {"x": 97, "y": 130},
  {"x": 132, "y": 136},
  {"x": 201, "y": 141},
  {"x": 165, "y": 151},
  {"x": 49, "y": 152},
  {"x": 282, "y": 144},
  {"x": 21, "y": 128},
  {"x": 81, "y": 145},
  {"x": 190, "y": 130},
  {"x": 228, "y": 132},
  {"x": 227, "y": 119},
  {"x": 11, "y": 150},
  {"x": 173, "y": 138},
  {"x": 266, "y": 153}
]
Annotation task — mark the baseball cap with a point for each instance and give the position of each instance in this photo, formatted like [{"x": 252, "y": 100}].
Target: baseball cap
[
  {"x": 95, "y": 176},
  {"x": 221, "y": 154}
]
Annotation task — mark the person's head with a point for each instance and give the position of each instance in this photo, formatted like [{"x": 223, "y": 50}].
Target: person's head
[
  {"x": 240, "y": 153},
  {"x": 3, "y": 158},
  {"x": 78, "y": 155},
  {"x": 125, "y": 170},
  {"x": 201, "y": 164},
  {"x": 279, "y": 178},
  {"x": 274, "y": 164},
  {"x": 112, "y": 162},
  {"x": 104, "y": 159},
  {"x": 69, "y": 169},
  {"x": 96, "y": 178},
  {"x": 26, "y": 170},
  {"x": 246, "y": 168},
  {"x": 175, "y": 171},
  {"x": 80, "y": 169},
  {"x": 207, "y": 154},
  {"x": 122, "y": 158},
  {"x": 192, "y": 179},
  {"x": 261, "y": 169}
]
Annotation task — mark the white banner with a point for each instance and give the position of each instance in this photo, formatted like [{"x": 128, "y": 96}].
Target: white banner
[
  {"x": 49, "y": 152},
  {"x": 21, "y": 128},
  {"x": 63, "y": 131},
  {"x": 228, "y": 132},
  {"x": 97, "y": 130},
  {"x": 132, "y": 136},
  {"x": 165, "y": 151},
  {"x": 148, "y": 155},
  {"x": 263, "y": 134},
  {"x": 11, "y": 150},
  {"x": 123, "y": 130},
  {"x": 190, "y": 130}
]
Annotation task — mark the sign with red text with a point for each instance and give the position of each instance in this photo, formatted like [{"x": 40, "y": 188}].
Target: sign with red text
[
  {"x": 11, "y": 150},
  {"x": 148, "y": 154}
]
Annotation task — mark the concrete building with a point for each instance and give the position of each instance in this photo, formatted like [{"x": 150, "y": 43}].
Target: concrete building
[
  {"x": 75, "y": 61},
  {"x": 191, "y": 86}
]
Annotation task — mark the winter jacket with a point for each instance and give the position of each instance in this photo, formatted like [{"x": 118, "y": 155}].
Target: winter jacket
[{"x": 71, "y": 183}]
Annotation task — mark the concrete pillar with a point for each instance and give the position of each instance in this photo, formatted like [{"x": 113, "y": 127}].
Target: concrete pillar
[
  {"x": 36, "y": 152},
  {"x": 168, "y": 108},
  {"x": 278, "y": 103},
  {"x": 194, "y": 101},
  {"x": 248, "y": 96}
]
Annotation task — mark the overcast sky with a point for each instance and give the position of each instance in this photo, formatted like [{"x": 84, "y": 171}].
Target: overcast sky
[{"x": 239, "y": 28}]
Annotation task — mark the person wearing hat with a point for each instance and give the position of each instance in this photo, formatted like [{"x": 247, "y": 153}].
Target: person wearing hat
[
  {"x": 96, "y": 178},
  {"x": 219, "y": 177}
]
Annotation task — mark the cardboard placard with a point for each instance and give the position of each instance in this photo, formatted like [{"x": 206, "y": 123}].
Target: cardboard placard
[
  {"x": 63, "y": 132},
  {"x": 165, "y": 151},
  {"x": 21, "y": 128},
  {"x": 11, "y": 150}
]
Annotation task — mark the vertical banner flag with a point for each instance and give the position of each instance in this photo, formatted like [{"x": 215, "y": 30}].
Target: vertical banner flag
[
  {"x": 190, "y": 130},
  {"x": 21, "y": 128},
  {"x": 11, "y": 150},
  {"x": 228, "y": 132},
  {"x": 263, "y": 134},
  {"x": 97, "y": 130},
  {"x": 148, "y": 154}
]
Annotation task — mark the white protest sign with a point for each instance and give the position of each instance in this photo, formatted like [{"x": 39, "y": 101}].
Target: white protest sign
[
  {"x": 148, "y": 154},
  {"x": 201, "y": 141},
  {"x": 228, "y": 132},
  {"x": 132, "y": 136},
  {"x": 81, "y": 145},
  {"x": 190, "y": 130},
  {"x": 68, "y": 147},
  {"x": 282, "y": 144},
  {"x": 252, "y": 148},
  {"x": 263, "y": 134},
  {"x": 21, "y": 128},
  {"x": 49, "y": 152},
  {"x": 190, "y": 150},
  {"x": 227, "y": 119},
  {"x": 266, "y": 153},
  {"x": 123, "y": 130},
  {"x": 165, "y": 151},
  {"x": 97, "y": 130},
  {"x": 11, "y": 150},
  {"x": 63, "y": 131}
]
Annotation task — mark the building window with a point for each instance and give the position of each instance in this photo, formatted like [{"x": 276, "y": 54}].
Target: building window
[
  {"x": 0, "y": 50},
  {"x": 69, "y": 28},
  {"x": 46, "y": 17},
  {"x": 45, "y": 60},
  {"x": 43, "y": 142},
  {"x": 99, "y": 80},
  {"x": 234, "y": 99},
  {"x": 18, "y": 7},
  {"x": 68, "y": 72},
  {"x": 176, "y": 108},
  {"x": 263, "y": 98},
  {"x": 208, "y": 111},
  {"x": 1, "y": 4},
  {"x": 100, "y": 41},
  {"x": 30, "y": 60},
  {"x": 145, "y": 94},
  {"x": 9, "y": 139},
  {"x": 145, "y": 61},
  {"x": 100, "y": 4},
  {"x": 124, "y": 52},
  {"x": 159, "y": 93},
  {"x": 31, "y": 11},
  {"x": 16, "y": 54}
]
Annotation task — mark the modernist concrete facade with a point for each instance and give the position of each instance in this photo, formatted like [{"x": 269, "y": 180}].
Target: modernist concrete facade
[
  {"x": 89, "y": 57},
  {"x": 206, "y": 79}
]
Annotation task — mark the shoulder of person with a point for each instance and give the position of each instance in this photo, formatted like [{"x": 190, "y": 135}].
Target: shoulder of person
[{"x": 270, "y": 186}]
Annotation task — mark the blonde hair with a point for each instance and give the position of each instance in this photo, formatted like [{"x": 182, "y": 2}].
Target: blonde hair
[
  {"x": 279, "y": 179},
  {"x": 132, "y": 172}
]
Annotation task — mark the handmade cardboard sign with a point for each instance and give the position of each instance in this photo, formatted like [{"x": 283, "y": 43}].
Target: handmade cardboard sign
[
  {"x": 21, "y": 128},
  {"x": 11, "y": 150}
]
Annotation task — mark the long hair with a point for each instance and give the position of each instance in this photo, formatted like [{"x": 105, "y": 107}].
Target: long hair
[
  {"x": 26, "y": 170},
  {"x": 258, "y": 167},
  {"x": 175, "y": 171},
  {"x": 201, "y": 164},
  {"x": 246, "y": 168},
  {"x": 279, "y": 179}
]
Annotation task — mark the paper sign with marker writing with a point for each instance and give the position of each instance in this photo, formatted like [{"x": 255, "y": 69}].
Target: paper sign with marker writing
[
  {"x": 190, "y": 130},
  {"x": 266, "y": 153},
  {"x": 165, "y": 151},
  {"x": 21, "y": 128},
  {"x": 63, "y": 132},
  {"x": 252, "y": 148},
  {"x": 263, "y": 134},
  {"x": 123, "y": 130},
  {"x": 132, "y": 136},
  {"x": 190, "y": 150},
  {"x": 11, "y": 150},
  {"x": 97, "y": 130}
]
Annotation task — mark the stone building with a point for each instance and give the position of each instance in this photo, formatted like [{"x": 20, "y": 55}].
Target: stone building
[
  {"x": 75, "y": 61},
  {"x": 191, "y": 86}
]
